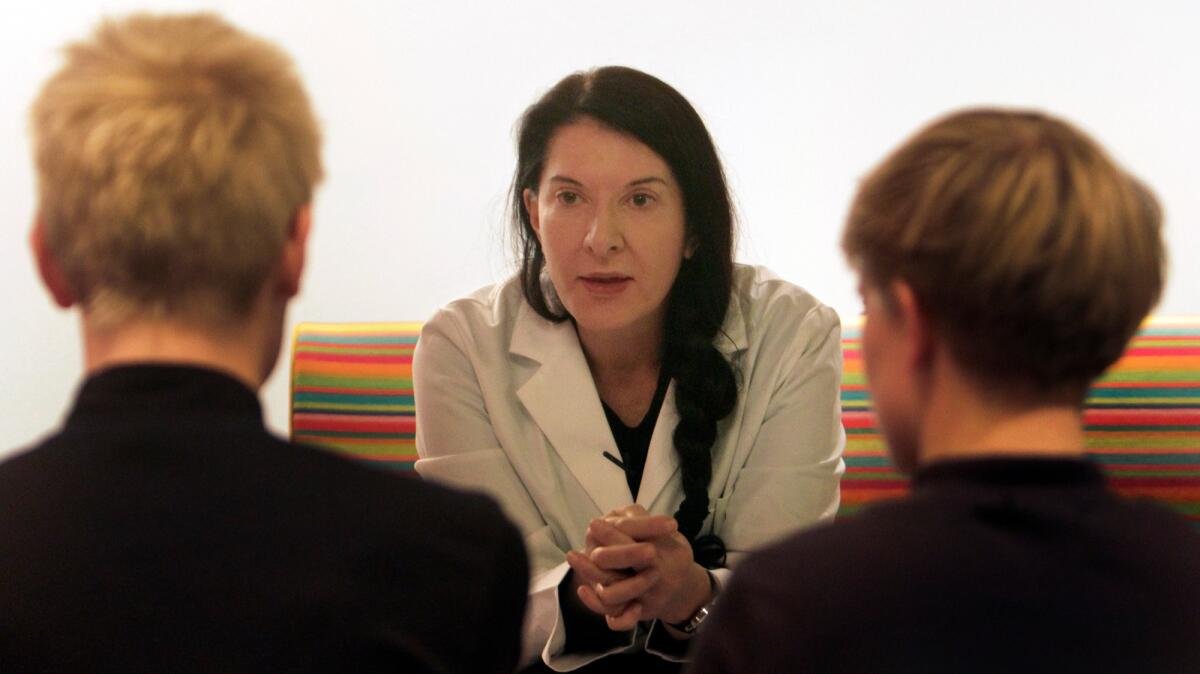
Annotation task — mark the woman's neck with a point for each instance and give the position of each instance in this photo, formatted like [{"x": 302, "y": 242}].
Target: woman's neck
[
  {"x": 625, "y": 365},
  {"x": 635, "y": 348}
]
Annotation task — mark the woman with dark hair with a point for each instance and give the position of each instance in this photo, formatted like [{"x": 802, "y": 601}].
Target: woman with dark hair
[{"x": 644, "y": 409}]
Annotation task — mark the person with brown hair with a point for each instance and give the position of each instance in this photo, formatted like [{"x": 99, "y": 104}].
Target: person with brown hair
[
  {"x": 1004, "y": 260},
  {"x": 162, "y": 528}
]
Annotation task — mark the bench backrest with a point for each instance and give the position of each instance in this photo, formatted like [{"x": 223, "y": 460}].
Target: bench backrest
[{"x": 352, "y": 392}]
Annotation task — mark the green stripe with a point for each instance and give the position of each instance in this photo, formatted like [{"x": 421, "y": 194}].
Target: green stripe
[
  {"x": 337, "y": 408},
  {"x": 872, "y": 430},
  {"x": 1125, "y": 376},
  {"x": 1142, "y": 393},
  {"x": 353, "y": 398},
  {"x": 356, "y": 352},
  {"x": 1117, "y": 443},
  {"x": 1163, "y": 459},
  {"x": 365, "y": 383},
  {"x": 867, "y": 461}
]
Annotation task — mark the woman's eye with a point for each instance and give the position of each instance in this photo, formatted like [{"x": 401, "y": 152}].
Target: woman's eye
[
  {"x": 641, "y": 200},
  {"x": 568, "y": 198}
]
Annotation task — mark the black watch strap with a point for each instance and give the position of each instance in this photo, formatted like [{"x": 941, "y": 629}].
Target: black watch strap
[{"x": 692, "y": 624}]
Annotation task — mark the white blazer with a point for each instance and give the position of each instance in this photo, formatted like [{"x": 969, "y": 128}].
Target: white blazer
[{"x": 506, "y": 404}]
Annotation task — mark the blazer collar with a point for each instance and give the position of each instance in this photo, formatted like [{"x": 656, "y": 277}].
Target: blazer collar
[{"x": 561, "y": 397}]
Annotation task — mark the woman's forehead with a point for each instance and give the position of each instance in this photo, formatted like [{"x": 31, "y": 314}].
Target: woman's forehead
[{"x": 592, "y": 154}]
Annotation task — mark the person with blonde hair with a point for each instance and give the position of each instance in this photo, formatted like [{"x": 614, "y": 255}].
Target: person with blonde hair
[
  {"x": 1005, "y": 261},
  {"x": 162, "y": 528}
]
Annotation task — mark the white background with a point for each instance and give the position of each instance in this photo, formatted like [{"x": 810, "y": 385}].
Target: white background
[{"x": 418, "y": 101}]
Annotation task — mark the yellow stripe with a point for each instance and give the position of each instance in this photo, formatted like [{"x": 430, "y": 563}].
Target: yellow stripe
[{"x": 357, "y": 328}]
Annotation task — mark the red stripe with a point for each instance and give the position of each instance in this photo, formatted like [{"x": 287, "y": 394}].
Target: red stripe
[
  {"x": 364, "y": 424},
  {"x": 1165, "y": 467},
  {"x": 1189, "y": 484},
  {"x": 879, "y": 483},
  {"x": 1118, "y": 385},
  {"x": 1099, "y": 417},
  {"x": 355, "y": 391},
  {"x": 323, "y": 440},
  {"x": 339, "y": 358},
  {"x": 859, "y": 419},
  {"x": 1162, "y": 351}
]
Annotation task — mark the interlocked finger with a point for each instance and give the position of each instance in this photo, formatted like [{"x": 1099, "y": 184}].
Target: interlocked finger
[
  {"x": 591, "y": 574},
  {"x": 620, "y": 557},
  {"x": 624, "y": 591}
]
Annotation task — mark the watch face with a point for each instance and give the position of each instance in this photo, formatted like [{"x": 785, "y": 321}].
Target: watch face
[{"x": 694, "y": 624}]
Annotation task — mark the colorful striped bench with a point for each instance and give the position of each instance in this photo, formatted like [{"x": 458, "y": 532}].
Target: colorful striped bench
[{"x": 352, "y": 392}]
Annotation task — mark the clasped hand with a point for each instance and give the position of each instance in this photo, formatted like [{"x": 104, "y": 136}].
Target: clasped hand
[{"x": 637, "y": 566}]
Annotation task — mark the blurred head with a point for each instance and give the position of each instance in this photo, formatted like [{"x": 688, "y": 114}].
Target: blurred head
[
  {"x": 1031, "y": 254},
  {"x": 632, "y": 150},
  {"x": 174, "y": 154}
]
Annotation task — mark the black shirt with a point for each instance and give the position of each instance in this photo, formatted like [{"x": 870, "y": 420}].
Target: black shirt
[
  {"x": 163, "y": 529},
  {"x": 634, "y": 442},
  {"x": 992, "y": 565}
]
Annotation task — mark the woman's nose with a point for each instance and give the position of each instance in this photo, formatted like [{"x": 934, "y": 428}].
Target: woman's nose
[{"x": 604, "y": 235}]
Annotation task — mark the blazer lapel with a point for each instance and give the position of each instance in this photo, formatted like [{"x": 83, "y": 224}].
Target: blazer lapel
[
  {"x": 561, "y": 397},
  {"x": 662, "y": 461}
]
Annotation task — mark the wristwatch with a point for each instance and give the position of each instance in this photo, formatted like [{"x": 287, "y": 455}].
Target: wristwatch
[{"x": 692, "y": 624}]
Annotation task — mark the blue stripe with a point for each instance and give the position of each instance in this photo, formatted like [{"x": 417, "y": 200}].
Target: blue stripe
[
  {"x": 867, "y": 461},
  {"x": 352, "y": 398},
  {"x": 1104, "y": 392}
]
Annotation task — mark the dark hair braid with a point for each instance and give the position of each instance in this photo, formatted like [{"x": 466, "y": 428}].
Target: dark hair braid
[{"x": 705, "y": 392}]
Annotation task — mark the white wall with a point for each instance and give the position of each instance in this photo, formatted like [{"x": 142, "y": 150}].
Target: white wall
[{"x": 418, "y": 100}]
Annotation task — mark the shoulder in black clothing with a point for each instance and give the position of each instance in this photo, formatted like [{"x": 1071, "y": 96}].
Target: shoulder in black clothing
[{"x": 970, "y": 579}]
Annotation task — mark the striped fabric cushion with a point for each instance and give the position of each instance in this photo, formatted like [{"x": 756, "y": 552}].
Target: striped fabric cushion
[
  {"x": 1142, "y": 421},
  {"x": 352, "y": 391}
]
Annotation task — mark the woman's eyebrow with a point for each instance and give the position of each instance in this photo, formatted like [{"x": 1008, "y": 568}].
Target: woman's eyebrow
[
  {"x": 650, "y": 179},
  {"x": 565, "y": 179}
]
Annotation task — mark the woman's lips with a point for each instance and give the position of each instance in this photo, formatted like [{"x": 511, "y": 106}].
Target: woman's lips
[{"x": 605, "y": 285}]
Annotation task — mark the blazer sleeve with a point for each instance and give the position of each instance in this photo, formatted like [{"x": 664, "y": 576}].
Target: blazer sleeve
[
  {"x": 790, "y": 477},
  {"x": 456, "y": 445}
]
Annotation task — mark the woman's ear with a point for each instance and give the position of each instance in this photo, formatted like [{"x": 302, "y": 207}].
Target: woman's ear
[
  {"x": 529, "y": 197},
  {"x": 48, "y": 268}
]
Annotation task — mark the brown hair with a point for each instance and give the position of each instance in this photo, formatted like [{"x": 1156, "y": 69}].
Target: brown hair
[
  {"x": 172, "y": 154},
  {"x": 1033, "y": 253}
]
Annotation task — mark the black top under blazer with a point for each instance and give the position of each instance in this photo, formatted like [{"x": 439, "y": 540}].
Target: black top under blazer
[{"x": 163, "y": 529}]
